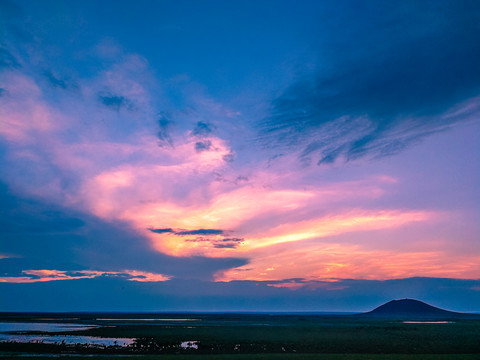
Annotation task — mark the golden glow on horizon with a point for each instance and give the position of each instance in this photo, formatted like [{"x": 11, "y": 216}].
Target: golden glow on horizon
[
  {"x": 232, "y": 210},
  {"x": 290, "y": 232},
  {"x": 326, "y": 261},
  {"x": 334, "y": 225}
]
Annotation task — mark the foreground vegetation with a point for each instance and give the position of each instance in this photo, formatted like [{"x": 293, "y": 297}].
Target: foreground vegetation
[
  {"x": 265, "y": 357},
  {"x": 274, "y": 337}
]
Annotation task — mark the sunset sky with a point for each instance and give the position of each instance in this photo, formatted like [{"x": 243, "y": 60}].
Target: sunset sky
[{"x": 239, "y": 155}]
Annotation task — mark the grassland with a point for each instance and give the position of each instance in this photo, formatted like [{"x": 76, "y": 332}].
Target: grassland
[
  {"x": 312, "y": 335},
  {"x": 274, "y": 337},
  {"x": 262, "y": 357}
]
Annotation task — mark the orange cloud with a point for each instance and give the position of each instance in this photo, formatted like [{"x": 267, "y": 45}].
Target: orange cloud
[
  {"x": 293, "y": 231},
  {"x": 55, "y": 275},
  {"x": 144, "y": 276},
  {"x": 324, "y": 284},
  {"x": 288, "y": 285},
  {"x": 334, "y": 225},
  {"x": 325, "y": 261},
  {"x": 282, "y": 222}
]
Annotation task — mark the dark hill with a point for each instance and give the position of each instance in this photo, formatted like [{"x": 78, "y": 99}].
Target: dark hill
[{"x": 414, "y": 309}]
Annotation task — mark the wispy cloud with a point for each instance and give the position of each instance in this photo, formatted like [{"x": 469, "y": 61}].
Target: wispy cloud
[
  {"x": 164, "y": 130},
  {"x": 203, "y": 145},
  {"x": 115, "y": 102},
  {"x": 189, "y": 232},
  {"x": 218, "y": 242},
  {"x": 162, "y": 231},
  {"x": 7, "y": 60},
  {"x": 210, "y": 238},
  {"x": 295, "y": 284},
  {"x": 381, "y": 89},
  {"x": 203, "y": 129},
  {"x": 55, "y": 80},
  {"x": 55, "y": 275},
  {"x": 201, "y": 232}
]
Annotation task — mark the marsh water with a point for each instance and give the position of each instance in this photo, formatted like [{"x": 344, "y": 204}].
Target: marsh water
[
  {"x": 119, "y": 333},
  {"x": 22, "y": 332},
  {"x": 48, "y": 332}
]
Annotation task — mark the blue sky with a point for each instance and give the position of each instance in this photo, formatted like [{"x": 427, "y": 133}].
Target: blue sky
[{"x": 239, "y": 155}]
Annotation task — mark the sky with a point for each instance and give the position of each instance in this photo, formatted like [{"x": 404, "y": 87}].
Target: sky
[{"x": 239, "y": 155}]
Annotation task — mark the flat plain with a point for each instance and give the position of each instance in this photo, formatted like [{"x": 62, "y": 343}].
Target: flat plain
[{"x": 245, "y": 336}]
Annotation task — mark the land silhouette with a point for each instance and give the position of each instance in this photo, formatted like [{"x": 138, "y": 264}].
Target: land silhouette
[
  {"x": 406, "y": 327},
  {"x": 414, "y": 309}
]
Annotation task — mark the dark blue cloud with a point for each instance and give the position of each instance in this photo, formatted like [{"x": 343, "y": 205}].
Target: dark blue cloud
[
  {"x": 201, "y": 232},
  {"x": 162, "y": 231},
  {"x": 225, "y": 243},
  {"x": 388, "y": 72},
  {"x": 220, "y": 245},
  {"x": 164, "y": 128},
  {"x": 228, "y": 158},
  {"x": 205, "y": 235},
  {"x": 203, "y": 129},
  {"x": 233, "y": 239},
  {"x": 204, "y": 145},
  {"x": 55, "y": 81},
  {"x": 30, "y": 217},
  {"x": 189, "y": 232},
  {"x": 22, "y": 217},
  {"x": 115, "y": 102},
  {"x": 38, "y": 235},
  {"x": 7, "y": 60}
]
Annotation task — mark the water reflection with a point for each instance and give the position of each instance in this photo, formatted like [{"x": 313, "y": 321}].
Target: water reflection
[
  {"x": 39, "y": 326},
  {"x": 66, "y": 339},
  {"x": 120, "y": 319},
  {"x": 12, "y": 331},
  {"x": 191, "y": 344},
  {"x": 429, "y": 322}
]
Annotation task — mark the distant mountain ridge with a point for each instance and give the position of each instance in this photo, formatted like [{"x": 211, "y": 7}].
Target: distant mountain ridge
[{"x": 410, "y": 308}]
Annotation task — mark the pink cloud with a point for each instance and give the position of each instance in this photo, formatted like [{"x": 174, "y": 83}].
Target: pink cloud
[
  {"x": 25, "y": 115},
  {"x": 322, "y": 261},
  {"x": 144, "y": 276},
  {"x": 324, "y": 284},
  {"x": 288, "y": 285},
  {"x": 286, "y": 215},
  {"x": 55, "y": 275},
  {"x": 128, "y": 177}
]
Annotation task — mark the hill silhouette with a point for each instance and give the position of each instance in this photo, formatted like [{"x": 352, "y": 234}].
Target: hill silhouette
[{"x": 414, "y": 309}]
